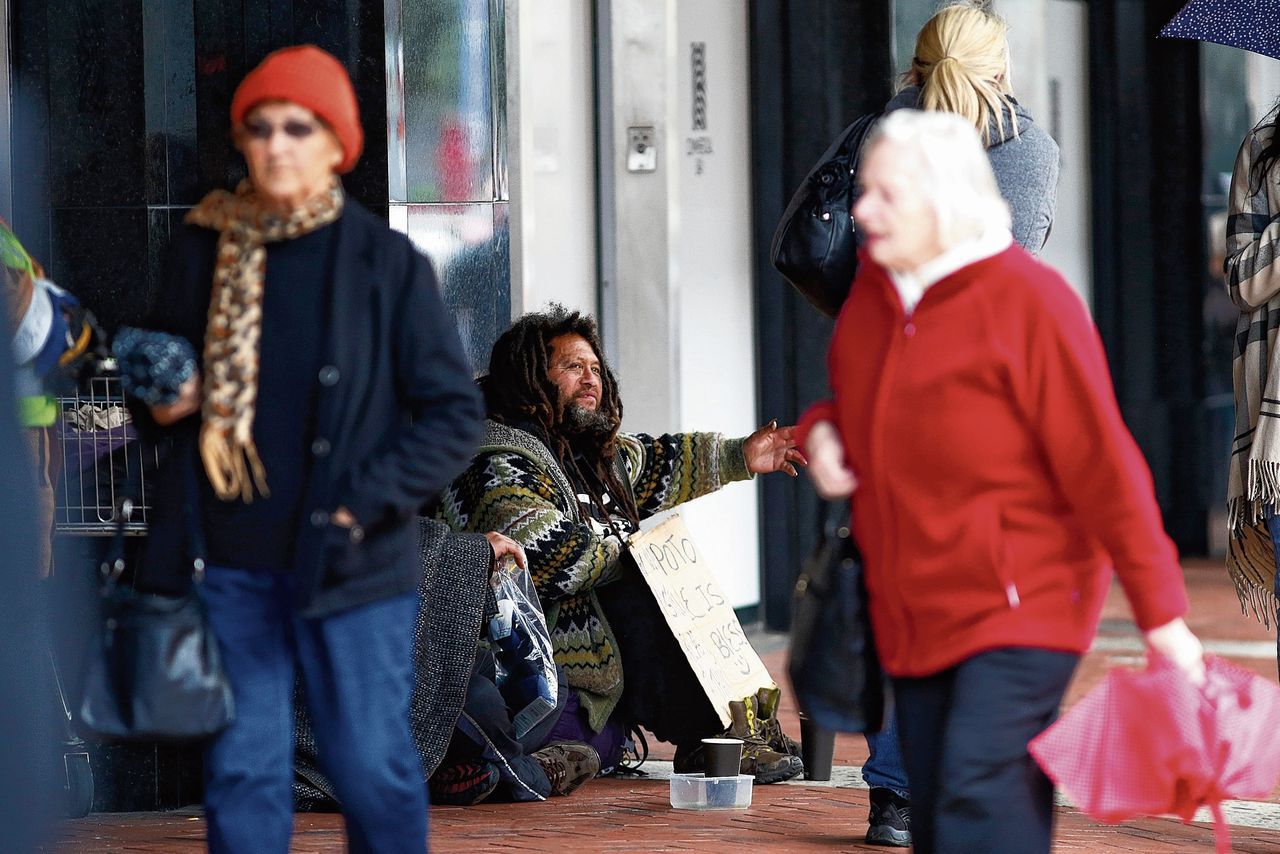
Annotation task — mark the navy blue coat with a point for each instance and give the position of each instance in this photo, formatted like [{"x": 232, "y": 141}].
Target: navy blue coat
[{"x": 397, "y": 416}]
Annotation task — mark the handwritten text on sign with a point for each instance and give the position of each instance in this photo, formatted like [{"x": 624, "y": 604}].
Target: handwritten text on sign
[{"x": 699, "y": 615}]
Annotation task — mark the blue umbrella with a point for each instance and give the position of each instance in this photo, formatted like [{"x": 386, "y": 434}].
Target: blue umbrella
[{"x": 1247, "y": 24}]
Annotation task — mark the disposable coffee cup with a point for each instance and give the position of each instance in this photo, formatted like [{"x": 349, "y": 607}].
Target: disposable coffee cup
[
  {"x": 817, "y": 748},
  {"x": 724, "y": 756}
]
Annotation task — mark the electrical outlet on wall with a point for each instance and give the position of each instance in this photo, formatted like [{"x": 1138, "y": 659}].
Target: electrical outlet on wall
[{"x": 642, "y": 152}]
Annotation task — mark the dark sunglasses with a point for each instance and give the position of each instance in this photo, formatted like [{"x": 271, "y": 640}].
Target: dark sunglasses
[{"x": 293, "y": 128}]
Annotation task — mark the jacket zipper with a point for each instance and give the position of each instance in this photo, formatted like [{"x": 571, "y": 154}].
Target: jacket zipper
[
  {"x": 902, "y": 323},
  {"x": 1011, "y": 593}
]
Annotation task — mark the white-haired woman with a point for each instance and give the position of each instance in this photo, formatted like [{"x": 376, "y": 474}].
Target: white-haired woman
[
  {"x": 993, "y": 482},
  {"x": 961, "y": 66}
]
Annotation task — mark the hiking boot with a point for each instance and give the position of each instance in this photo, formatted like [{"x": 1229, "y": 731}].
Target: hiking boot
[
  {"x": 568, "y": 764},
  {"x": 890, "y": 820},
  {"x": 767, "y": 715},
  {"x": 463, "y": 784},
  {"x": 759, "y": 759}
]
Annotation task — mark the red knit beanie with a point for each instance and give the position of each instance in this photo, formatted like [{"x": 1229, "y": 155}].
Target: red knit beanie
[{"x": 311, "y": 78}]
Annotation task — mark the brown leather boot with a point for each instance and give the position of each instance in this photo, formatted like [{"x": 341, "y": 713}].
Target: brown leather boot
[
  {"x": 759, "y": 759},
  {"x": 767, "y": 700}
]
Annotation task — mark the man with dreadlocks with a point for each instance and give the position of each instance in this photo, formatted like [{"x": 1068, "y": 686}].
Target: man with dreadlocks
[{"x": 555, "y": 473}]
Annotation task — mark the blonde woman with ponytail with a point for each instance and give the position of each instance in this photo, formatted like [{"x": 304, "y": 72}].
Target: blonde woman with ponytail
[{"x": 961, "y": 66}]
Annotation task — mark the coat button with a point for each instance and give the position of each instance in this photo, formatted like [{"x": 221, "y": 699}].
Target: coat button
[
  {"x": 909, "y": 330},
  {"x": 319, "y": 518},
  {"x": 321, "y": 447},
  {"x": 329, "y": 375}
]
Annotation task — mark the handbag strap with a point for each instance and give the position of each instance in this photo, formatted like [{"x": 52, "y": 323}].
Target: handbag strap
[
  {"x": 836, "y": 517},
  {"x": 113, "y": 564}
]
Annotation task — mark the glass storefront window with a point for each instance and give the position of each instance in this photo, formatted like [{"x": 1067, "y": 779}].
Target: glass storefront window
[
  {"x": 450, "y": 114},
  {"x": 447, "y": 98}
]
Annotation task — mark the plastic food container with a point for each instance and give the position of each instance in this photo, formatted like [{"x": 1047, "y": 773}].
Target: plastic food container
[{"x": 696, "y": 792}]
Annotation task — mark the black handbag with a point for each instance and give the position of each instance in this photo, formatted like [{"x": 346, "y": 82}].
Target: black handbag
[
  {"x": 153, "y": 671},
  {"x": 834, "y": 669},
  {"x": 814, "y": 245}
]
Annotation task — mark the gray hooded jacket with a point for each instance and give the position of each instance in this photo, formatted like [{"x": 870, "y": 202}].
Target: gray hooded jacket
[{"x": 1026, "y": 168}]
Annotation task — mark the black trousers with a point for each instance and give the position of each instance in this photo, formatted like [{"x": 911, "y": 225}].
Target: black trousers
[
  {"x": 964, "y": 731},
  {"x": 661, "y": 692}
]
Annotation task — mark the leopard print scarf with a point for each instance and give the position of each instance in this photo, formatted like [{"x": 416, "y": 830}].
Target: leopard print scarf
[{"x": 230, "y": 388}]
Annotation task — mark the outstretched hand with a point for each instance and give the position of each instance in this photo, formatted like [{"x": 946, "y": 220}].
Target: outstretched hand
[{"x": 773, "y": 448}]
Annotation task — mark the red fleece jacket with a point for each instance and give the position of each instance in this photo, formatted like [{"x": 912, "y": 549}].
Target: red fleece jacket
[{"x": 998, "y": 484}]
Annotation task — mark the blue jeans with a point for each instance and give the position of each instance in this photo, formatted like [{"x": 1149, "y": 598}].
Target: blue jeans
[
  {"x": 357, "y": 666},
  {"x": 884, "y": 768},
  {"x": 974, "y": 786}
]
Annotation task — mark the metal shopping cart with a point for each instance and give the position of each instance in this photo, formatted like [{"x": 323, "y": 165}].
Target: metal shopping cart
[
  {"x": 102, "y": 458},
  {"x": 102, "y": 461}
]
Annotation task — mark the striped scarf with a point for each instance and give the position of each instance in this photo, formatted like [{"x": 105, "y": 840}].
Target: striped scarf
[
  {"x": 1253, "y": 278},
  {"x": 230, "y": 388}
]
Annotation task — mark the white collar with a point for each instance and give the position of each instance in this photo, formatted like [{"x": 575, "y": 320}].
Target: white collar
[{"x": 912, "y": 285}]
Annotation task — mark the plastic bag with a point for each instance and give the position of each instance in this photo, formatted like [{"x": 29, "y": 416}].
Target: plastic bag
[{"x": 522, "y": 647}]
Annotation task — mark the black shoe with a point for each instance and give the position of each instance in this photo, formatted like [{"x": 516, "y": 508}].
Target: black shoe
[
  {"x": 463, "y": 784},
  {"x": 568, "y": 764},
  {"x": 689, "y": 759},
  {"x": 890, "y": 820}
]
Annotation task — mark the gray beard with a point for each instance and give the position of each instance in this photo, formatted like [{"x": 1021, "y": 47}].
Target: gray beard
[{"x": 580, "y": 422}]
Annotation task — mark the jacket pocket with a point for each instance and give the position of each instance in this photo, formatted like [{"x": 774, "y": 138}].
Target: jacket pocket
[
  {"x": 1000, "y": 559},
  {"x": 344, "y": 558},
  {"x": 359, "y": 561}
]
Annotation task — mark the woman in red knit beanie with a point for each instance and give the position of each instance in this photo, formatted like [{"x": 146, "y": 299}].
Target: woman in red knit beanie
[
  {"x": 312, "y": 78},
  {"x": 333, "y": 400},
  {"x": 994, "y": 484}
]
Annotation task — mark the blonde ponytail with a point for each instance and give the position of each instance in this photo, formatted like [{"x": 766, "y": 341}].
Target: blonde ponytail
[{"x": 962, "y": 66}]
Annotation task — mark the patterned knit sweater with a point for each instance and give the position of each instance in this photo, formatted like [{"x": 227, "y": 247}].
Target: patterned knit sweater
[{"x": 515, "y": 486}]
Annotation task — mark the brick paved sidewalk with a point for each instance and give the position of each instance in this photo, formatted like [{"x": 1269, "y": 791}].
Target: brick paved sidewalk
[{"x": 635, "y": 815}]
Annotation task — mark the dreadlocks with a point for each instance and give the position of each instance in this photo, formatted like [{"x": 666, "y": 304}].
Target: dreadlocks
[{"x": 518, "y": 391}]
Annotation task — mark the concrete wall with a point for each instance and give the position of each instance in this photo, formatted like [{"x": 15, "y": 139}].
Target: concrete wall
[
  {"x": 553, "y": 246},
  {"x": 710, "y": 270}
]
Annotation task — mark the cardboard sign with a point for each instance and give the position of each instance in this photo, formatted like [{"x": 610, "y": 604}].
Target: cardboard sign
[{"x": 699, "y": 615}]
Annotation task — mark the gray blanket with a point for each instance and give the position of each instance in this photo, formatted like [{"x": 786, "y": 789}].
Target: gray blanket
[{"x": 446, "y": 634}]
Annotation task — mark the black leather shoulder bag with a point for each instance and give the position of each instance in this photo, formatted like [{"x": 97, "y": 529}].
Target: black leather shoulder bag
[
  {"x": 834, "y": 669},
  {"x": 153, "y": 671},
  {"x": 814, "y": 246}
]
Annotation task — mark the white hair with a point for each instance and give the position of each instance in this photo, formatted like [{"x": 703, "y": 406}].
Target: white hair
[{"x": 955, "y": 175}]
